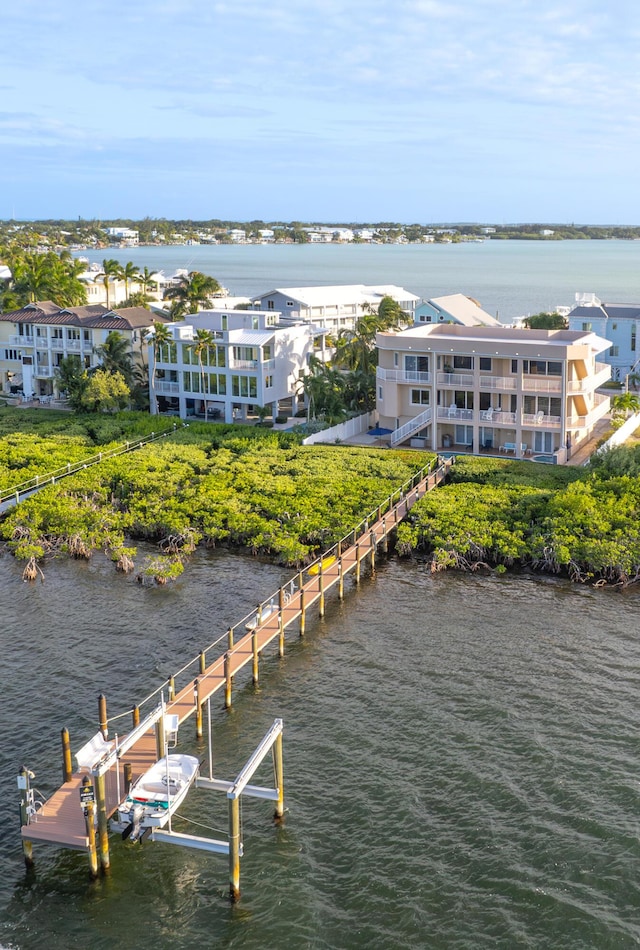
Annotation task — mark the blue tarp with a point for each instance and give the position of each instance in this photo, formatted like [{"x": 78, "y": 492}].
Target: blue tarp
[{"x": 379, "y": 431}]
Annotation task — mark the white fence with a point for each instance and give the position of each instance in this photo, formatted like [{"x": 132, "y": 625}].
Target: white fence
[
  {"x": 345, "y": 430},
  {"x": 622, "y": 434}
]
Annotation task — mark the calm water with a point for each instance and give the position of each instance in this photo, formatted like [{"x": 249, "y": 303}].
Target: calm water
[
  {"x": 510, "y": 278},
  {"x": 461, "y": 763}
]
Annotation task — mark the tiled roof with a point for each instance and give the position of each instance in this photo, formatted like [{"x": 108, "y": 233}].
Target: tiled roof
[{"x": 93, "y": 316}]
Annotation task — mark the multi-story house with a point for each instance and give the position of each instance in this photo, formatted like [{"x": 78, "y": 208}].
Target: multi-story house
[
  {"x": 491, "y": 389},
  {"x": 618, "y": 322},
  {"x": 35, "y": 339},
  {"x": 334, "y": 308},
  {"x": 253, "y": 361}
]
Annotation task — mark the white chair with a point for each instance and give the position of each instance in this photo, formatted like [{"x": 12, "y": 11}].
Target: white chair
[{"x": 92, "y": 752}]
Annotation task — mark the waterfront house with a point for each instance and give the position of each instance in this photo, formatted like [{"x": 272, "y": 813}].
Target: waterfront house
[
  {"x": 334, "y": 308},
  {"x": 454, "y": 308},
  {"x": 35, "y": 339},
  {"x": 494, "y": 389},
  {"x": 254, "y": 361},
  {"x": 618, "y": 322}
]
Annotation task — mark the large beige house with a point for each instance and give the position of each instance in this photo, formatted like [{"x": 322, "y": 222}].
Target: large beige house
[
  {"x": 35, "y": 339},
  {"x": 497, "y": 389}
]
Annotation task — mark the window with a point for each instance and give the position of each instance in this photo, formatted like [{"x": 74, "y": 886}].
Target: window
[
  {"x": 420, "y": 397},
  {"x": 463, "y": 362},
  {"x": 633, "y": 339},
  {"x": 167, "y": 353},
  {"x": 25, "y": 329},
  {"x": 86, "y": 336},
  {"x": 255, "y": 323},
  {"x": 73, "y": 333},
  {"x": 244, "y": 386},
  {"x": 587, "y": 327},
  {"x": 267, "y": 352},
  {"x": 225, "y": 322},
  {"x": 289, "y": 303},
  {"x": 485, "y": 364},
  {"x": 614, "y": 351},
  {"x": 462, "y": 399},
  {"x": 245, "y": 354},
  {"x": 12, "y": 354},
  {"x": 268, "y": 382},
  {"x": 395, "y": 359},
  {"x": 614, "y": 326},
  {"x": 542, "y": 367},
  {"x": 514, "y": 366},
  {"x": 380, "y": 393},
  {"x": 270, "y": 305},
  {"x": 413, "y": 365}
]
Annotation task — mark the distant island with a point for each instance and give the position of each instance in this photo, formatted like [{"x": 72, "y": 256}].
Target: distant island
[{"x": 124, "y": 232}]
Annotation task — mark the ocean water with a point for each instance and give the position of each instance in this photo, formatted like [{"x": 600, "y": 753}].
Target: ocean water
[
  {"x": 461, "y": 762},
  {"x": 508, "y": 278}
]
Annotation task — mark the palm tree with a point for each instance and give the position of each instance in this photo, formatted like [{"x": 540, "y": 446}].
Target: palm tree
[
  {"x": 203, "y": 339},
  {"x": 115, "y": 356},
  {"x": 110, "y": 269},
  {"x": 146, "y": 277},
  {"x": 128, "y": 273},
  {"x": 160, "y": 336},
  {"x": 192, "y": 293}
]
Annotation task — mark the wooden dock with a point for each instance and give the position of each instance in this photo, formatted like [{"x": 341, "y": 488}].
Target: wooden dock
[{"x": 61, "y": 820}]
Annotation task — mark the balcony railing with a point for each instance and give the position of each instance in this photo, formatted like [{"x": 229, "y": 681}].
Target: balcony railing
[
  {"x": 17, "y": 340},
  {"x": 403, "y": 375},
  {"x": 164, "y": 386},
  {"x": 454, "y": 413},
  {"x": 508, "y": 383},
  {"x": 244, "y": 364},
  {"x": 542, "y": 384},
  {"x": 455, "y": 379}
]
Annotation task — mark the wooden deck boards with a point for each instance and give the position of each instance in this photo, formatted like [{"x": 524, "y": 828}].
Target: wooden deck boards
[{"x": 61, "y": 820}]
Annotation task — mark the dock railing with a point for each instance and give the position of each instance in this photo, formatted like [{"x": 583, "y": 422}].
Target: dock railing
[
  {"x": 170, "y": 686},
  {"x": 15, "y": 492}
]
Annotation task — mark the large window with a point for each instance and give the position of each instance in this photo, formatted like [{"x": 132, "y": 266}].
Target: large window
[
  {"x": 415, "y": 364},
  {"x": 542, "y": 367},
  {"x": 463, "y": 362},
  {"x": 549, "y": 405},
  {"x": 167, "y": 353},
  {"x": 244, "y": 386},
  {"x": 485, "y": 364}
]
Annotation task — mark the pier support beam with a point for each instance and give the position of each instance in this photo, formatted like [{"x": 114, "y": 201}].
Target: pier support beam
[
  {"x": 102, "y": 715},
  {"x": 103, "y": 825},
  {"x": 340, "y": 580},
  {"x": 278, "y": 768},
  {"x": 234, "y": 849},
  {"x": 227, "y": 681},
  {"x": 90, "y": 826},
  {"x": 281, "y": 622},
  {"x": 357, "y": 563},
  {"x": 321, "y": 589},
  {"x": 24, "y": 780},
  {"x": 67, "y": 767},
  {"x": 198, "y": 704},
  {"x": 303, "y": 611},
  {"x": 255, "y": 658}
]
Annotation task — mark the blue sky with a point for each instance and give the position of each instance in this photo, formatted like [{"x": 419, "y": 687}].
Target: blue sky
[{"x": 322, "y": 110}]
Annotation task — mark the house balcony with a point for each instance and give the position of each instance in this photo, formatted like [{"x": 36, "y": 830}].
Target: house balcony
[
  {"x": 542, "y": 384},
  {"x": 503, "y": 383},
  {"x": 164, "y": 387},
  {"x": 17, "y": 340},
  {"x": 72, "y": 346},
  {"x": 403, "y": 376},
  {"x": 589, "y": 383},
  {"x": 457, "y": 380},
  {"x": 601, "y": 408},
  {"x": 244, "y": 364},
  {"x": 43, "y": 371}
]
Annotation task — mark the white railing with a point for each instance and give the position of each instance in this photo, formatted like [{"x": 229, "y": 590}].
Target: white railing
[
  {"x": 509, "y": 383},
  {"x": 542, "y": 385},
  {"x": 454, "y": 413},
  {"x": 455, "y": 379},
  {"x": 164, "y": 386},
  {"x": 589, "y": 383},
  {"x": 243, "y": 364},
  {"x": 21, "y": 340},
  {"x": 538, "y": 419},
  {"x": 410, "y": 428},
  {"x": 342, "y": 431},
  {"x": 403, "y": 375}
]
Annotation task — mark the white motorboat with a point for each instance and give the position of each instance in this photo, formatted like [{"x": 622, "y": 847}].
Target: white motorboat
[{"x": 156, "y": 795}]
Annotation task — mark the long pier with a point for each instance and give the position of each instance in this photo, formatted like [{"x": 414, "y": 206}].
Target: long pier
[{"x": 61, "y": 821}]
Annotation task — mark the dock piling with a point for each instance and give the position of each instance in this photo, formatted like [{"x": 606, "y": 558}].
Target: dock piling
[
  {"x": 102, "y": 715},
  {"x": 227, "y": 681},
  {"x": 135, "y": 716},
  {"x": 196, "y": 696},
  {"x": 234, "y": 849},
  {"x": 281, "y": 621},
  {"x": 103, "y": 825},
  {"x": 255, "y": 659},
  {"x": 89, "y": 820},
  {"x": 303, "y": 614},
  {"x": 67, "y": 767},
  {"x": 26, "y": 798},
  {"x": 278, "y": 769}
]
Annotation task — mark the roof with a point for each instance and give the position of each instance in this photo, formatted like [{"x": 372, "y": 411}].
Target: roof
[
  {"x": 251, "y": 337},
  {"x": 92, "y": 316},
  {"x": 339, "y": 294},
  {"x": 465, "y": 310},
  {"x": 621, "y": 311}
]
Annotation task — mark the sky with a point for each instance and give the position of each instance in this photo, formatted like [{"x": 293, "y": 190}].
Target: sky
[{"x": 410, "y": 111}]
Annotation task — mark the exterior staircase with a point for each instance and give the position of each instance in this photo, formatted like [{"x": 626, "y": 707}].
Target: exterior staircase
[{"x": 410, "y": 428}]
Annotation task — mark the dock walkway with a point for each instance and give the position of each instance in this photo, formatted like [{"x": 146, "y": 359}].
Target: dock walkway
[{"x": 60, "y": 820}]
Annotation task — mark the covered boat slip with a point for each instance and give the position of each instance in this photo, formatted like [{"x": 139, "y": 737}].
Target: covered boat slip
[{"x": 61, "y": 820}]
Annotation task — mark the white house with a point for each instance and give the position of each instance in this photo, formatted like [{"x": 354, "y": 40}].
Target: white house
[
  {"x": 334, "y": 308},
  {"x": 126, "y": 236},
  {"x": 254, "y": 361},
  {"x": 618, "y": 322},
  {"x": 491, "y": 388}
]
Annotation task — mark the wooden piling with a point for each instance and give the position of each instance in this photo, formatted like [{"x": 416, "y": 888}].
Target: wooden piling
[
  {"x": 255, "y": 659},
  {"x": 340, "y": 580},
  {"x": 227, "y": 681},
  {"x": 234, "y": 849},
  {"x": 127, "y": 770},
  {"x": 203, "y": 661},
  {"x": 89, "y": 820},
  {"x": 24, "y": 779},
  {"x": 172, "y": 688},
  {"x": 281, "y": 622},
  {"x": 230, "y": 638},
  {"x": 102, "y": 715},
  {"x": 103, "y": 824},
  {"x": 278, "y": 768},
  {"x": 67, "y": 766},
  {"x": 321, "y": 589},
  {"x": 357, "y": 563},
  {"x": 160, "y": 737},
  {"x": 196, "y": 694},
  {"x": 303, "y": 612},
  {"x": 372, "y": 542},
  {"x": 135, "y": 716}
]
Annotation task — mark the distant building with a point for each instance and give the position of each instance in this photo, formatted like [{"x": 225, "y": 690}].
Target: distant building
[
  {"x": 618, "y": 322},
  {"x": 126, "y": 236},
  {"x": 492, "y": 389},
  {"x": 454, "y": 308},
  {"x": 334, "y": 308},
  {"x": 254, "y": 361}
]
